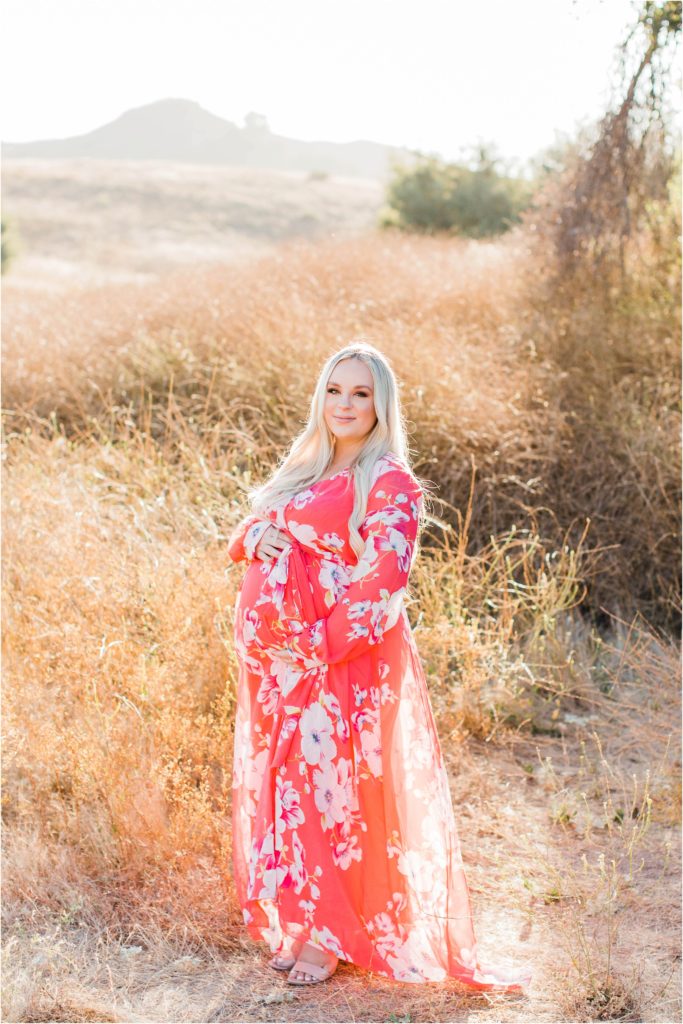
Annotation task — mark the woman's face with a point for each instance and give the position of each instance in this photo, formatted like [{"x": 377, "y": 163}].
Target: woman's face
[{"x": 350, "y": 402}]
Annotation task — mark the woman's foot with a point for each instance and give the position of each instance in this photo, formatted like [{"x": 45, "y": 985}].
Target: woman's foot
[
  {"x": 313, "y": 965},
  {"x": 285, "y": 958}
]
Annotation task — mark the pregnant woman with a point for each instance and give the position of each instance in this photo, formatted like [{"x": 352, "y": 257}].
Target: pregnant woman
[{"x": 344, "y": 840}]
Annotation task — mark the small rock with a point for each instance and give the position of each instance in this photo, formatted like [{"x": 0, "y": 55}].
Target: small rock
[{"x": 277, "y": 997}]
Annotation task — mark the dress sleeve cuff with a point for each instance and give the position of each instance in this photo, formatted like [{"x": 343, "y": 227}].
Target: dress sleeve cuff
[{"x": 253, "y": 536}]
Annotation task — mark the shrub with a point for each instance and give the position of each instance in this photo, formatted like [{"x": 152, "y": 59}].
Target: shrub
[{"x": 433, "y": 196}]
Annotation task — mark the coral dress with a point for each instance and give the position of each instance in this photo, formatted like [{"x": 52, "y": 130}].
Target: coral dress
[{"x": 343, "y": 827}]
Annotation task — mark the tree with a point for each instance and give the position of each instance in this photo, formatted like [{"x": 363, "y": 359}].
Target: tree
[
  {"x": 254, "y": 122},
  {"x": 603, "y": 196}
]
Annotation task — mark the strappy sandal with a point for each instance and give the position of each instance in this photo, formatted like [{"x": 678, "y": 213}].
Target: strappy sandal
[
  {"x": 286, "y": 963},
  {"x": 320, "y": 972}
]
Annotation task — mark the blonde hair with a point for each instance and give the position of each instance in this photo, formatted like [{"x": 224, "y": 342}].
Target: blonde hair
[{"x": 312, "y": 451}]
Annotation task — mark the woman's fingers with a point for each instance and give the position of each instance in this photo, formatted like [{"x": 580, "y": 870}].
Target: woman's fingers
[
  {"x": 265, "y": 543},
  {"x": 273, "y": 542}
]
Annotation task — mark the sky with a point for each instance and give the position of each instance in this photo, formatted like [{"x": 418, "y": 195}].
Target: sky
[{"x": 441, "y": 76}]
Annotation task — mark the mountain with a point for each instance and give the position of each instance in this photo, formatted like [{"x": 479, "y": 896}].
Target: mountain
[{"x": 183, "y": 131}]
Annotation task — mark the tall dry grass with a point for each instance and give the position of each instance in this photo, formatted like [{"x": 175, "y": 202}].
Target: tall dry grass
[
  {"x": 569, "y": 416},
  {"x": 135, "y": 419}
]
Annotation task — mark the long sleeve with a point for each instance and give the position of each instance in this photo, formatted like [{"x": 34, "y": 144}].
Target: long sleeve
[
  {"x": 372, "y": 603},
  {"x": 246, "y": 535}
]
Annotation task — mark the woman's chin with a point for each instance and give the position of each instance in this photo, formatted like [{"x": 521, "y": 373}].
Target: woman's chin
[{"x": 347, "y": 431}]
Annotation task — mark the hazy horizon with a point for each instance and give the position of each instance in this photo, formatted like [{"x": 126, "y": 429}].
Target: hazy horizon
[{"x": 439, "y": 81}]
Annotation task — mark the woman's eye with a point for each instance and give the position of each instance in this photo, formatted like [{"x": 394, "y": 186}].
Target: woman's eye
[{"x": 360, "y": 394}]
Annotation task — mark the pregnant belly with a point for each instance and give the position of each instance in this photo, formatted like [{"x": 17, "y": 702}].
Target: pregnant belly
[{"x": 273, "y": 595}]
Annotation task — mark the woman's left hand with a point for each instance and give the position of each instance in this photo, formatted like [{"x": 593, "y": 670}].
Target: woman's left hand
[{"x": 272, "y": 543}]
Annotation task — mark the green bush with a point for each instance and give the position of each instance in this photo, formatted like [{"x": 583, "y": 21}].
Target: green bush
[{"x": 433, "y": 196}]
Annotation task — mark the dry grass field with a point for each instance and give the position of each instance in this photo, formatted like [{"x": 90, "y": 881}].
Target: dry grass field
[
  {"x": 96, "y": 221},
  {"x": 137, "y": 412}
]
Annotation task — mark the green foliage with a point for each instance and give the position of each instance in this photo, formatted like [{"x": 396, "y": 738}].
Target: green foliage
[
  {"x": 433, "y": 196},
  {"x": 663, "y": 16}
]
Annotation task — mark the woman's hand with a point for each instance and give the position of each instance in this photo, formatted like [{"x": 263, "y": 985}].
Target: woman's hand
[{"x": 272, "y": 543}]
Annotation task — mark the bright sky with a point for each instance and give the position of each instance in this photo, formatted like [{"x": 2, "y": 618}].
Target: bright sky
[{"x": 439, "y": 75}]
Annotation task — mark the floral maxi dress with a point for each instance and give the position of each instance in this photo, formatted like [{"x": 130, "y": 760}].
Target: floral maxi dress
[{"x": 343, "y": 827}]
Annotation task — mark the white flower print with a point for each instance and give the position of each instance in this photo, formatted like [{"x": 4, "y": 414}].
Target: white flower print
[
  {"x": 397, "y": 542},
  {"x": 333, "y": 579},
  {"x": 433, "y": 834},
  {"x": 324, "y": 937},
  {"x": 357, "y": 630},
  {"x": 392, "y": 611},
  {"x": 346, "y": 851},
  {"x": 389, "y": 515},
  {"x": 359, "y": 695},
  {"x": 418, "y": 868},
  {"x": 387, "y": 695},
  {"x": 371, "y": 746},
  {"x": 268, "y": 694},
  {"x": 275, "y": 870},
  {"x": 288, "y": 812},
  {"x": 255, "y": 769},
  {"x": 316, "y": 728},
  {"x": 331, "y": 702},
  {"x": 384, "y": 614},
  {"x": 303, "y": 498},
  {"x": 334, "y": 542},
  {"x": 276, "y": 581},
  {"x": 387, "y": 934},
  {"x": 414, "y": 961},
  {"x": 297, "y": 867},
  {"x": 330, "y": 796},
  {"x": 250, "y": 623},
  {"x": 359, "y": 609},
  {"x": 349, "y": 783},
  {"x": 360, "y": 718},
  {"x": 302, "y": 532},
  {"x": 286, "y": 675}
]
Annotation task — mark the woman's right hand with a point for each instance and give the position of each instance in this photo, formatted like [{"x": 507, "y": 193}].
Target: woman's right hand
[{"x": 272, "y": 543}]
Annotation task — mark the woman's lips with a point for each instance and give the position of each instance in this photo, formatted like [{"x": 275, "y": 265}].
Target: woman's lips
[{"x": 345, "y": 419}]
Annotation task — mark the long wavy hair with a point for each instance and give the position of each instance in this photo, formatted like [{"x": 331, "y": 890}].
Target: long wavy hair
[{"x": 311, "y": 453}]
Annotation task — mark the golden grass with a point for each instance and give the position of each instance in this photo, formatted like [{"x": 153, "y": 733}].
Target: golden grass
[
  {"x": 206, "y": 365},
  {"x": 135, "y": 418}
]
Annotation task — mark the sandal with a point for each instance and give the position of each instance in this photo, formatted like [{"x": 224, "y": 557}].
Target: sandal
[
  {"x": 320, "y": 972},
  {"x": 282, "y": 962}
]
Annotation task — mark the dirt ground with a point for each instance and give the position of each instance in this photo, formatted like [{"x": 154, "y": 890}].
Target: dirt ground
[{"x": 534, "y": 902}]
